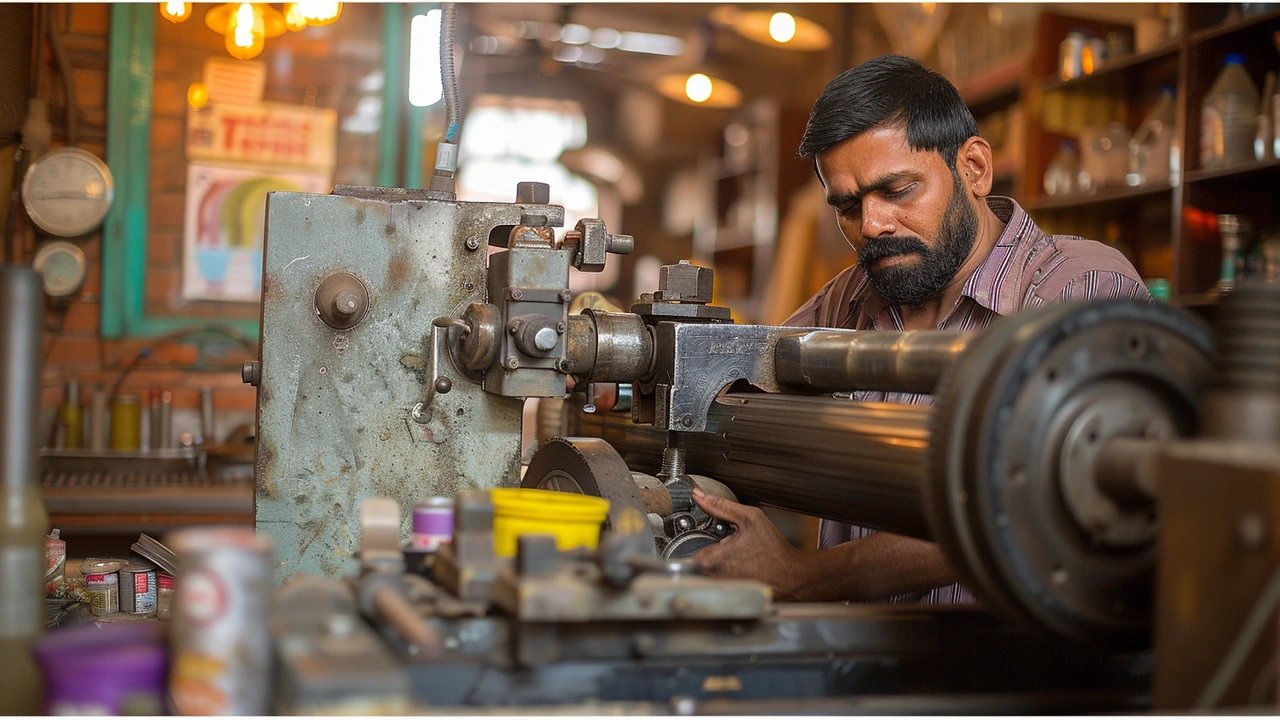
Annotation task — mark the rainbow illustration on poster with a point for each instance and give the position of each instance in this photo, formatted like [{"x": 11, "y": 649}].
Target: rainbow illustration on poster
[{"x": 225, "y": 218}]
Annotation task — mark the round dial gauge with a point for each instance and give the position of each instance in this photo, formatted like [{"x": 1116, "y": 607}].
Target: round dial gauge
[
  {"x": 67, "y": 192},
  {"x": 63, "y": 267}
]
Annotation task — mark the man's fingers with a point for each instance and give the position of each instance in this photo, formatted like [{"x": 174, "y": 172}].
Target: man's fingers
[
  {"x": 710, "y": 559},
  {"x": 722, "y": 509}
]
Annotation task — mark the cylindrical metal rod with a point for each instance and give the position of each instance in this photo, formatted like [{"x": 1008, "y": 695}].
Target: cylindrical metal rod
[
  {"x": 845, "y": 361},
  {"x": 1126, "y": 470},
  {"x": 615, "y": 347},
  {"x": 23, "y": 520},
  {"x": 856, "y": 462}
]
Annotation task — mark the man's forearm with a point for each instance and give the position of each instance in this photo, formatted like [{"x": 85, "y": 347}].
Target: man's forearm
[{"x": 873, "y": 568}]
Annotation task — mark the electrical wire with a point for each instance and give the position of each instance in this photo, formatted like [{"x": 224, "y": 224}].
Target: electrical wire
[
  {"x": 1231, "y": 663},
  {"x": 68, "y": 81}
]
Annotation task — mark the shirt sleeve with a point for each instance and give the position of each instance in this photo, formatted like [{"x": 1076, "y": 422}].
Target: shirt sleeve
[{"x": 1093, "y": 285}]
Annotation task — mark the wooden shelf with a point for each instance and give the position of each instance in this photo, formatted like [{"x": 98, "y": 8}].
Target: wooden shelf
[
  {"x": 1005, "y": 168},
  {"x": 1101, "y": 197},
  {"x": 1003, "y": 78},
  {"x": 1192, "y": 300},
  {"x": 1112, "y": 69},
  {"x": 1219, "y": 31},
  {"x": 1196, "y": 176}
]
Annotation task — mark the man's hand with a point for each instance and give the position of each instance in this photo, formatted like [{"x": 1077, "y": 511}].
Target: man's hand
[{"x": 757, "y": 551}]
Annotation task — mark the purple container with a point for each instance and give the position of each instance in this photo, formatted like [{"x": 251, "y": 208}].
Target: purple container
[
  {"x": 104, "y": 670},
  {"x": 434, "y": 516}
]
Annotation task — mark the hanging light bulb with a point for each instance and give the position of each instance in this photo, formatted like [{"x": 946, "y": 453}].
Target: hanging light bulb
[
  {"x": 293, "y": 18},
  {"x": 698, "y": 87},
  {"x": 246, "y": 34},
  {"x": 175, "y": 12},
  {"x": 198, "y": 95},
  {"x": 782, "y": 27},
  {"x": 320, "y": 12}
]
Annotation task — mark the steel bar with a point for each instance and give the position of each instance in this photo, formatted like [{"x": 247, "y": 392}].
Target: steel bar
[
  {"x": 841, "y": 361},
  {"x": 838, "y": 459}
]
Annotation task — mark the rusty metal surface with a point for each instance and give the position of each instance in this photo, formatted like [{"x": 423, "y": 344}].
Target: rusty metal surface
[{"x": 334, "y": 407}]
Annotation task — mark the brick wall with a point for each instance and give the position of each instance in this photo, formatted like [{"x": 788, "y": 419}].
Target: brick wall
[{"x": 72, "y": 345}]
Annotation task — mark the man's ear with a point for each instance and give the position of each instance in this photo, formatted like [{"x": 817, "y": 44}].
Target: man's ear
[{"x": 975, "y": 166}]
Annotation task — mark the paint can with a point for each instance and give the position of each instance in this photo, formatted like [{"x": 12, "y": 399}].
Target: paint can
[
  {"x": 221, "y": 646},
  {"x": 432, "y": 524},
  {"x": 102, "y": 580},
  {"x": 138, "y": 588}
]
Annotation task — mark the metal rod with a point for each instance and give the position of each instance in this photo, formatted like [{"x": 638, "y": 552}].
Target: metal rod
[
  {"x": 21, "y": 326},
  {"x": 843, "y": 460},
  {"x": 396, "y": 610},
  {"x": 838, "y": 361},
  {"x": 1126, "y": 470}
]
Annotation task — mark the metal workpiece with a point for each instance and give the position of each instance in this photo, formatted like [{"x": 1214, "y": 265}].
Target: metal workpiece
[
  {"x": 848, "y": 360},
  {"x": 610, "y": 347},
  {"x": 335, "y": 407},
  {"x": 837, "y": 459},
  {"x": 1019, "y": 423},
  {"x": 592, "y": 243}
]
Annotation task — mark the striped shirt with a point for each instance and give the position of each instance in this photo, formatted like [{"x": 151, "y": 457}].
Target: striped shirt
[{"x": 1026, "y": 268}]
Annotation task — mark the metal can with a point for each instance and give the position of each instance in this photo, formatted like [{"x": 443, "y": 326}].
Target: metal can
[
  {"x": 221, "y": 646},
  {"x": 432, "y": 523},
  {"x": 102, "y": 580},
  {"x": 164, "y": 595},
  {"x": 138, "y": 588}
]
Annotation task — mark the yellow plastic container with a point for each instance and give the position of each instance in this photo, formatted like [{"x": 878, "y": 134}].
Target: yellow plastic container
[{"x": 573, "y": 519}]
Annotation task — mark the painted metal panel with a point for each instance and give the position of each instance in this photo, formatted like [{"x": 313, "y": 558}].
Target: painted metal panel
[{"x": 335, "y": 421}]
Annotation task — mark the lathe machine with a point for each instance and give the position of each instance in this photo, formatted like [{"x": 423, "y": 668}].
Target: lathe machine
[{"x": 1096, "y": 473}]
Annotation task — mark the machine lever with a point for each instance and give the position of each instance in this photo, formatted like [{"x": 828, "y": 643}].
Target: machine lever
[{"x": 439, "y": 383}]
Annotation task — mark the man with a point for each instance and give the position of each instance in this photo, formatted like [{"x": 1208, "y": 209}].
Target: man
[{"x": 902, "y": 165}]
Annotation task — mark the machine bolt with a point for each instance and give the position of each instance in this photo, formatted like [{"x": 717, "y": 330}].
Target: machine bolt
[
  {"x": 421, "y": 413},
  {"x": 565, "y": 295},
  {"x": 545, "y": 339},
  {"x": 251, "y": 372},
  {"x": 533, "y": 193},
  {"x": 468, "y": 286},
  {"x": 513, "y": 363},
  {"x": 516, "y": 293},
  {"x": 473, "y": 244},
  {"x": 687, "y": 421},
  {"x": 560, "y": 327},
  {"x": 345, "y": 304},
  {"x": 566, "y": 366},
  {"x": 443, "y": 385}
]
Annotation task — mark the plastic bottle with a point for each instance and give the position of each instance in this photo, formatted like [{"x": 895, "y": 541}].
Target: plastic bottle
[
  {"x": 1060, "y": 176},
  {"x": 1152, "y": 145},
  {"x": 1228, "y": 117}
]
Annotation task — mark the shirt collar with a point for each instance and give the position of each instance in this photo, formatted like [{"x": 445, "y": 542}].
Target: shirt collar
[{"x": 984, "y": 281}]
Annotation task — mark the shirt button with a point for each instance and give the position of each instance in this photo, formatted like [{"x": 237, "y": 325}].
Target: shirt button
[{"x": 1035, "y": 277}]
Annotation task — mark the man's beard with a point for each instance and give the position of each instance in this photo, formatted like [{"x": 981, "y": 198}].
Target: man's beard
[{"x": 912, "y": 285}]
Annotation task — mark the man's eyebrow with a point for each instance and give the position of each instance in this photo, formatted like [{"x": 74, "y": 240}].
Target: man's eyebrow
[{"x": 881, "y": 183}]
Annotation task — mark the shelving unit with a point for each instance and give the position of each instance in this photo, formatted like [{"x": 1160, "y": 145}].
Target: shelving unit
[
  {"x": 735, "y": 231},
  {"x": 1149, "y": 220}
]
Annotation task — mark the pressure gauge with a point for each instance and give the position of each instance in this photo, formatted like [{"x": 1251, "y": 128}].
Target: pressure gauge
[
  {"x": 67, "y": 192},
  {"x": 63, "y": 267}
]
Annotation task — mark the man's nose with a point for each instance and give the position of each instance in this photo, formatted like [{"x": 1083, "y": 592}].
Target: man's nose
[{"x": 877, "y": 219}]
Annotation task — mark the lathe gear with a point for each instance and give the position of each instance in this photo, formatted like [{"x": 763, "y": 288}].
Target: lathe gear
[{"x": 588, "y": 466}]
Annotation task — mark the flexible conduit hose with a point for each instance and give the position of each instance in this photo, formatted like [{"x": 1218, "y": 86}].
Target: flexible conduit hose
[{"x": 448, "y": 77}]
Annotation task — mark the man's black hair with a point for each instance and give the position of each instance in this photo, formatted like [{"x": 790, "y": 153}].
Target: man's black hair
[{"x": 885, "y": 90}]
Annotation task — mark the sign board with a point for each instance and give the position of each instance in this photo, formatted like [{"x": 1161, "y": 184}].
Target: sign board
[{"x": 271, "y": 134}]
